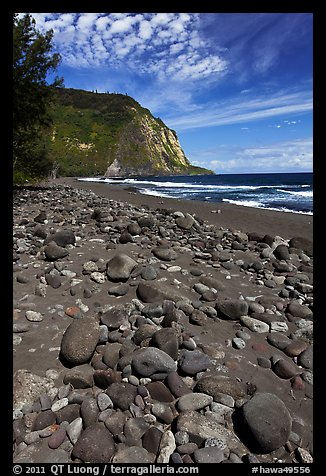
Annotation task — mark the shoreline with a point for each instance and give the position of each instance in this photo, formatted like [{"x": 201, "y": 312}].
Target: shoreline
[{"x": 226, "y": 215}]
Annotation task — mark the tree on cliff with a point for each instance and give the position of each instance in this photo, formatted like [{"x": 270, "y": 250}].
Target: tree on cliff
[{"x": 33, "y": 60}]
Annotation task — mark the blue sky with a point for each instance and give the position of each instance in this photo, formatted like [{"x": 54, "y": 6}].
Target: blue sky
[{"x": 236, "y": 87}]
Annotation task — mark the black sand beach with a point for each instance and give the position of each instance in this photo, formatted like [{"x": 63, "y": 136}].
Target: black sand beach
[{"x": 155, "y": 330}]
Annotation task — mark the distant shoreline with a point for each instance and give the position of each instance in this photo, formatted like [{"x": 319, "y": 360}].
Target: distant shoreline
[{"x": 226, "y": 215}]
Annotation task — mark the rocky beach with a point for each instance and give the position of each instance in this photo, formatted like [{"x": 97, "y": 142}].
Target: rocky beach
[{"x": 152, "y": 330}]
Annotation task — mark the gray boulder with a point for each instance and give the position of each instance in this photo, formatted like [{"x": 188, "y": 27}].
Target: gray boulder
[
  {"x": 79, "y": 340},
  {"x": 268, "y": 421},
  {"x": 120, "y": 267}
]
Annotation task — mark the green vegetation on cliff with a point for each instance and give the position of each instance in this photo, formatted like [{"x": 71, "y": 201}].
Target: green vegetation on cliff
[{"x": 104, "y": 133}]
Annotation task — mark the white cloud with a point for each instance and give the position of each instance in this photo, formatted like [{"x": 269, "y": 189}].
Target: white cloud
[
  {"x": 166, "y": 45},
  {"x": 237, "y": 111},
  {"x": 122, "y": 25},
  {"x": 284, "y": 156}
]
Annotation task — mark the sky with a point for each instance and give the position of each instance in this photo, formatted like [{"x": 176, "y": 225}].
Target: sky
[{"x": 236, "y": 87}]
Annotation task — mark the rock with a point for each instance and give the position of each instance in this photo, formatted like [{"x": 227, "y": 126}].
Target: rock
[
  {"x": 53, "y": 280},
  {"x": 306, "y": 358},
  {"x": 79, "y": 340},
  {"x": 284, "y": 369},
  {"x": 41, "y": 217},
  {"x": 43, "y": 420},
  {"x": 158, "y": 391},
  {"x": 152, "y": 362},
  {"x": 95, "y": 445},
  {"x": 134, "y": 229},
  {"x": 115, "y": 317},
  {"x": 34, "y": 316},
  {"x": 115, "y": 422},
  {"x": 166, "y": 339},
  {"x": 144, "y": 332},
  {"x": 57, "y": 438},
  {"x": 298, "y": 310},
  {"x": 198, "y": 318},
  {"x": 194, "y": 401},
  {"x": 167, "y": 447},
  {"x": 164, "y": 254},
  {"x": 54, "y": 252},
  {"x": 279, "y": 341},
  {"x": 111, "y": 354},
  {"x": 210, "y": 454},
  {"x": 214, "y": 384},
  {"x": 154, "y": 291},
  {"x": 149, "y": 273},
  {"x": 89, "y": 411},
  {"x": 120, "y": 267},
  {"x": 185, "y": 222},
  {"x": 278, "y": 326},
  {"x": 133, "y": 455},
  {"x": 62, "y": 238},
  {"x": 295, "y": 348},
  {"x": 268, "y": 421},
  {"x": 281, "y": 252},
  {"x": 192, "y": 362},
  {"x": 177, "y": 385},
  {"x": 80, "y": 376},
  {"x": 200, "y": 428},
  {"x": 146, "y": 221},
  {"x": 254, "y": 324},
  {"x": 212, "y": 283},
  {"x": 74, "y": 429},
  {"x": 164, "y": 412},
  {"x": 68, "y": 413},
  {"x": 232, "y": 309},
  {"x": 59, "y": 404},
  {"x": 27, "y": 387},
  {"x": 40, "y": 453},
  {"x": 122, "y": 394},
  {"x": 152, "y": 439}
]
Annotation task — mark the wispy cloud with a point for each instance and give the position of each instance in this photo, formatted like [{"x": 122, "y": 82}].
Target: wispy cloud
[
  {"x": 241, "y": 110},
  {"x": 287, "y": 156}
]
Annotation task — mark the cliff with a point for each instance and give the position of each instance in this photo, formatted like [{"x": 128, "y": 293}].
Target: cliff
[{"x": 113, "y": 135}]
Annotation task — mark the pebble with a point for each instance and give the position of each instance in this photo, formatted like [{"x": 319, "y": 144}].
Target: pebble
[{"x": 34, "y": 316}]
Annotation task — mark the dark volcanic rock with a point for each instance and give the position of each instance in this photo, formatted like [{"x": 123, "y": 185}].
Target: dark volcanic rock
[
  {"x": 268, "y": 421},
  {"x": 165, "y": 254},
  {"x": 177, "y": 385},
  {"x": 95, "y": 445},
  {"x": 193, "y": 361},
  {"x": 152, "y": 362},
  {"x": 281, "y": 252},
  {"x": 53, "y": 252},
  {"x": 62, "y": 238},
  {"x": 79, "y": 340},
  {"x": 213, "y": 384},
  {"x": 122, "y": 394},
  {"x": 284, "y": 369},
  {"x": 43, "y": 420},
  {"x": 166, "y": 339},
  {"x": 306, "y": 358},
  {"x": 120, "y": 267},
  {"x": 232, "y": 308}
]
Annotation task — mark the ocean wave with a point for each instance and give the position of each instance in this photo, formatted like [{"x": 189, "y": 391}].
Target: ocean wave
[
  {"x": 254, "y": 204},
  {"x": 156, "y": 193},
  {"x": 299, "y": 194}
]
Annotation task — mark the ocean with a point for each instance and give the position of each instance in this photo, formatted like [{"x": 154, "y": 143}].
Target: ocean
[{"x": 288, "y": 192}]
